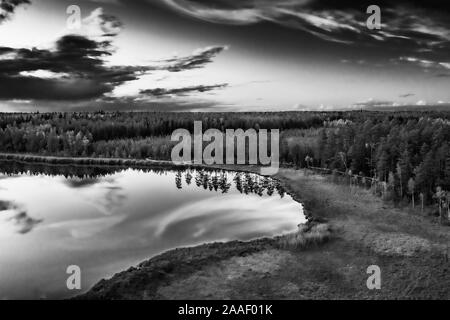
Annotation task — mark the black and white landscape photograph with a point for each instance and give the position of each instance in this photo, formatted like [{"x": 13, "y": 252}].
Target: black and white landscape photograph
[{"x": 224, "y": 150}]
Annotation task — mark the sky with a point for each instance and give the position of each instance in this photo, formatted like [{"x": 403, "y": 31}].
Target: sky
[{"x": 222, "y": 55}]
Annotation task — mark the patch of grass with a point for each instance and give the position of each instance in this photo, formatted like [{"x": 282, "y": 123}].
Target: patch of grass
[{"x": 306, "y": 236}]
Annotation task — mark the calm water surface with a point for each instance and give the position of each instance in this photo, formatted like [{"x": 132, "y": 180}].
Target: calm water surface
[{"x": 107, "y": 223}]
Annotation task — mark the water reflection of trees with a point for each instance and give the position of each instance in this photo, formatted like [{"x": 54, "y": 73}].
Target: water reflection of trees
[
  {"x": 12, "y": 168},
  {"x": 219, "y": 180},
  {"x": 208, "y": 179}
]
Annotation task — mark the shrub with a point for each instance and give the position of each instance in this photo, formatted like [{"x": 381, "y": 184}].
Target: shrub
[{"x": 306, "y": 236}]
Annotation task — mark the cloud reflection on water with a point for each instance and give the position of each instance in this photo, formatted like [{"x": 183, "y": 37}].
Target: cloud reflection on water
[{"x": 15, "y": 218}]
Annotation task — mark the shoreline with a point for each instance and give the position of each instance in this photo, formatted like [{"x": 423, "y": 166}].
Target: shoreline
[
  {"x": 85, "y": 161},
  {"x": 120, "y": 163}
]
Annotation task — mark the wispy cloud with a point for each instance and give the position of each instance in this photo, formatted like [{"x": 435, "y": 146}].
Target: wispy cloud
[
  {"x": 161, "y": 92},
  {"x": 198, "y": 59},
  {"x": 370, "y": 103},
  {"x": 406, "y": 24},
  {"x": 426, "y": 64}
]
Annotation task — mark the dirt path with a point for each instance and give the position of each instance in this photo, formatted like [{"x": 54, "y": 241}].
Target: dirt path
[{"x": 411, "y": 250}]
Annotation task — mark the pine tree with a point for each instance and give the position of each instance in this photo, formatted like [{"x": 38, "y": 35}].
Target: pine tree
[
  {"x": 411, "y": 189},
  {"x": 426, "y": 174}
]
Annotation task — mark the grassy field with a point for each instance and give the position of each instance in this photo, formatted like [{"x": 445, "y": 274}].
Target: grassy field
[{"x": 410, "y": 249}]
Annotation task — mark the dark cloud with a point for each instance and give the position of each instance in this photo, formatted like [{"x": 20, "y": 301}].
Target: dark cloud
[
  {"x": 197, "y": 59},
  {"x": 406, "y": 95},
  {"x": 75, "y": 70},
  {"x": 161, "y": 92},
  {"x": 7, "y": 7}
]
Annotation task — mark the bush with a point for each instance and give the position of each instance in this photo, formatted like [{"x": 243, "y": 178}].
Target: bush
[{"x": 306, "y": 236}]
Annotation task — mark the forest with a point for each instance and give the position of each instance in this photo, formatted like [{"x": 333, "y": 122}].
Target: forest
[{"x": 408, "y": 152}]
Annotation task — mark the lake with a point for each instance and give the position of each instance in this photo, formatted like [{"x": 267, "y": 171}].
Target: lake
[{"x": 106, "y": 220}]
